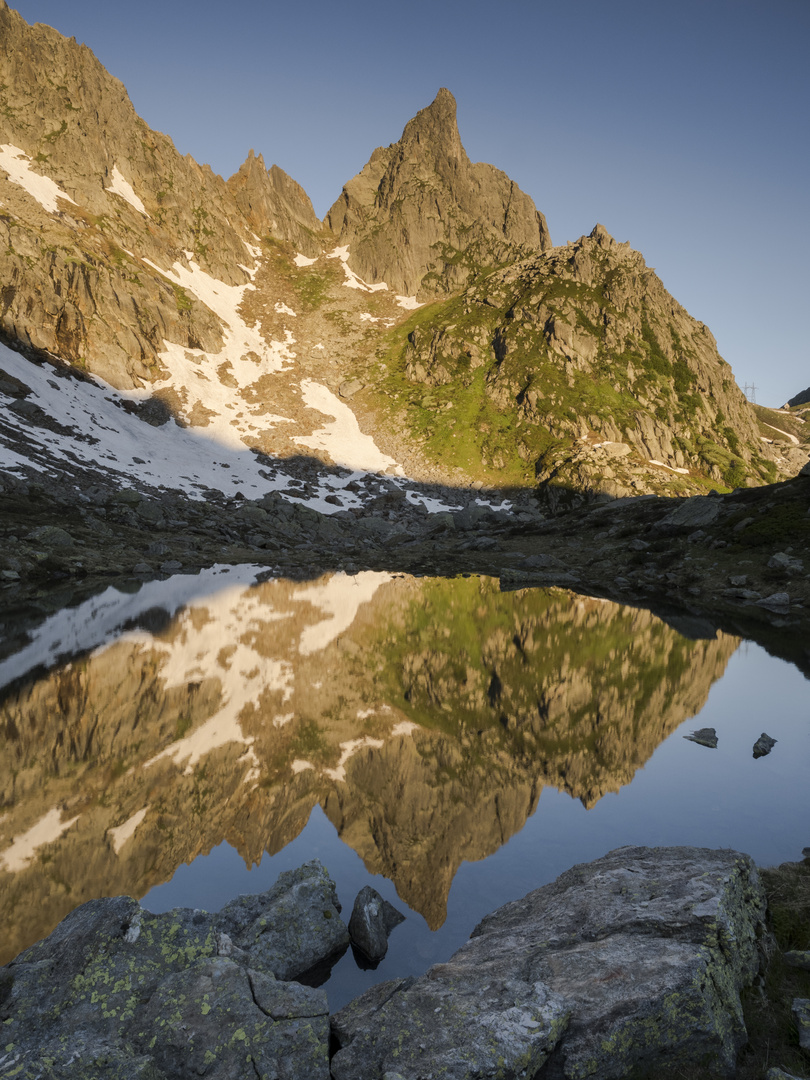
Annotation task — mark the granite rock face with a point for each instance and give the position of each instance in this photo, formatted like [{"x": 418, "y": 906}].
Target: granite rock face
[
  {"x": 425, "y": 219},
  {"x": 80, "y": 275},
  {"x": 116, "y": 991},
  {"x": 624, "y": 963},
  {"x": 272, "y": 202}
]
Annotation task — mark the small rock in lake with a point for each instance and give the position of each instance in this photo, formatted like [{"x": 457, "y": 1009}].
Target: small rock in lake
[
  {"x": 706, "y": 736},
  {"x": 763, "y": 745},
  {"x": 372, "y": 921}
]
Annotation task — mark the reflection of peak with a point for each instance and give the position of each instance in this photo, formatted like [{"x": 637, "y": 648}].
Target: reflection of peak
[{"x": 255, "y": 704}]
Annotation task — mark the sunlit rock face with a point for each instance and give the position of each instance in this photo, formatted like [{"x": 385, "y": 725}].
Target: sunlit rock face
[{"x": 424, "y": 716}]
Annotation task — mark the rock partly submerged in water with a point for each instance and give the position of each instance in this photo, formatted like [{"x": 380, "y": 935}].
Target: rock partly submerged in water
[
  {"x": 118, "y": 992},
  {"x": 705, "y": 736},
  {"x": 372, "y": 920},
  {"x": 763, "y": 745},
  {"x": 619, "y": 965}
]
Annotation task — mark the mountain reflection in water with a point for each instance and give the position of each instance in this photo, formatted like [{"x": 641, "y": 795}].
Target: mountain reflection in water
[{"x": 424, "y": 716}]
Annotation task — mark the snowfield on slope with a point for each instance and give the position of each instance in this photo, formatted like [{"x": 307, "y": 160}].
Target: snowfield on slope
[{"x": 103, "y": 435}]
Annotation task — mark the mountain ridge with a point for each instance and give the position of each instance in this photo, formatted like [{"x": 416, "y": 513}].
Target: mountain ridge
[{"x": 219, "y": 304}]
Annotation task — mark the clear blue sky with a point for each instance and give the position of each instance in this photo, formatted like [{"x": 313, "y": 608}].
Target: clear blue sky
[{"x": 681, "y": 126}]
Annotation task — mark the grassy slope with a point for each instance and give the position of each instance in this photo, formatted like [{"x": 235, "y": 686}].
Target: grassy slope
[{"x": 517, "y": 417}]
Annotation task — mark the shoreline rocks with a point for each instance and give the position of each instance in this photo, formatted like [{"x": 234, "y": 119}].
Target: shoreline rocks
[{"x": 621, "y": 963}]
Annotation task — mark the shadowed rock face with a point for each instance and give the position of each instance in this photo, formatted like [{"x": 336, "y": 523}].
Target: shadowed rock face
[
  {"x": 423, "y": 218},
  {"x": 425, "y": 717}
]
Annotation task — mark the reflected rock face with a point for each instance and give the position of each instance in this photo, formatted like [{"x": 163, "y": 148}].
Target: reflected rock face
[{"x": 424, "y": 716}]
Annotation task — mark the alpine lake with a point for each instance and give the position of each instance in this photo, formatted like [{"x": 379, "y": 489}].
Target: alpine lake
[{"x": 449, "y": 743}]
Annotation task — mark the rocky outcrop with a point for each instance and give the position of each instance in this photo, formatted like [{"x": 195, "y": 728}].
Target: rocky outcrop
[
  {"x": 79, "y": 275},
  {"x": 272, "y": 202},
  {"x": 576, "y": 368},
  {"x": 802, "y": 398},
  {"x": 425, "y": 219},
  {"x": 634, "y": 962},
  {"x": 118, "y": 992}
]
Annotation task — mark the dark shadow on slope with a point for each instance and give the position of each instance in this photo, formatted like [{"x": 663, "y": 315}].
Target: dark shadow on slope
[{"x": 122, "y": 531}]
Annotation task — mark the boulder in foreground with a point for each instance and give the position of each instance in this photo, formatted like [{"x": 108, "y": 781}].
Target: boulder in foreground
[
  {"x": 117, "y": 992},
  {"x": 634, "y": 961}
]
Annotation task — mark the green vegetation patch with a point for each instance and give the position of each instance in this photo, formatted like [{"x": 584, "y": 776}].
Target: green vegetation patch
[{"x": 182, "y": 299}]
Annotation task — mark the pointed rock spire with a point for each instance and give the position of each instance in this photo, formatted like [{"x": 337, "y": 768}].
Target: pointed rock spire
[
  {"x": 273, "y": 202},
  {"x": 425, "y": 219}
]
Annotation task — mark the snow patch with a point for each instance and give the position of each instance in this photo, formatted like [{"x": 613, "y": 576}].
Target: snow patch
[
  {"x": 18, "y": 166},
  {"x": 404, "y": 727},
  {"x": 246, "y": 356},
  {"x": 339, "y": 598},
  {"x": 342, "y": 439},
  {"x": 433, "y": 506},
  {"x": 349, "y": 749},
  {"x": 299, "y": 765},
  {"x": 302, "y": 260},
  {"x": 282, "y": 309},
  {"x": 409, "y": 303},
  {"x": 196, "y": 652},
  {"x": 352, "y": 280},
  {"x": 121, "y": 833},
  {"x": 97, "y": 622},
  {"x": 48, "y": 829},
  {"x": 672, "y": 468},
  {"x": 121, "y": 186}
]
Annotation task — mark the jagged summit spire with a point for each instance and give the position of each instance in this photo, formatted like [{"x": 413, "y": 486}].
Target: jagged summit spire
[
  {"x": 436, "y": 126},
  {"x": 424, "y": 219}
]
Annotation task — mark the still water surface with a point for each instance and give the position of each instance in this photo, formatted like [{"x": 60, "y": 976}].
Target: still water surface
[{"x": 450, "y": 744}]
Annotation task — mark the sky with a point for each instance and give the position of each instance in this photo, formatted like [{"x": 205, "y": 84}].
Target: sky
[{"x": 680, "y": 126}]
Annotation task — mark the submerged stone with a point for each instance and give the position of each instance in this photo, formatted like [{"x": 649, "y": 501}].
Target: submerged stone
[
  {"x": 763, "y": 745},
  {"x": 372, "y": 920},
  {"x": 705, "y": 736}
]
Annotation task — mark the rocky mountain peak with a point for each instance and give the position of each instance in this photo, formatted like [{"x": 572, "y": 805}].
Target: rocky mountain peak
[
  {"x": 425, "y": 219},
  {"x": 272, "y": 202},
  {"x": 435, "y": 129},
  {"x": 602, "y": 237}
]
